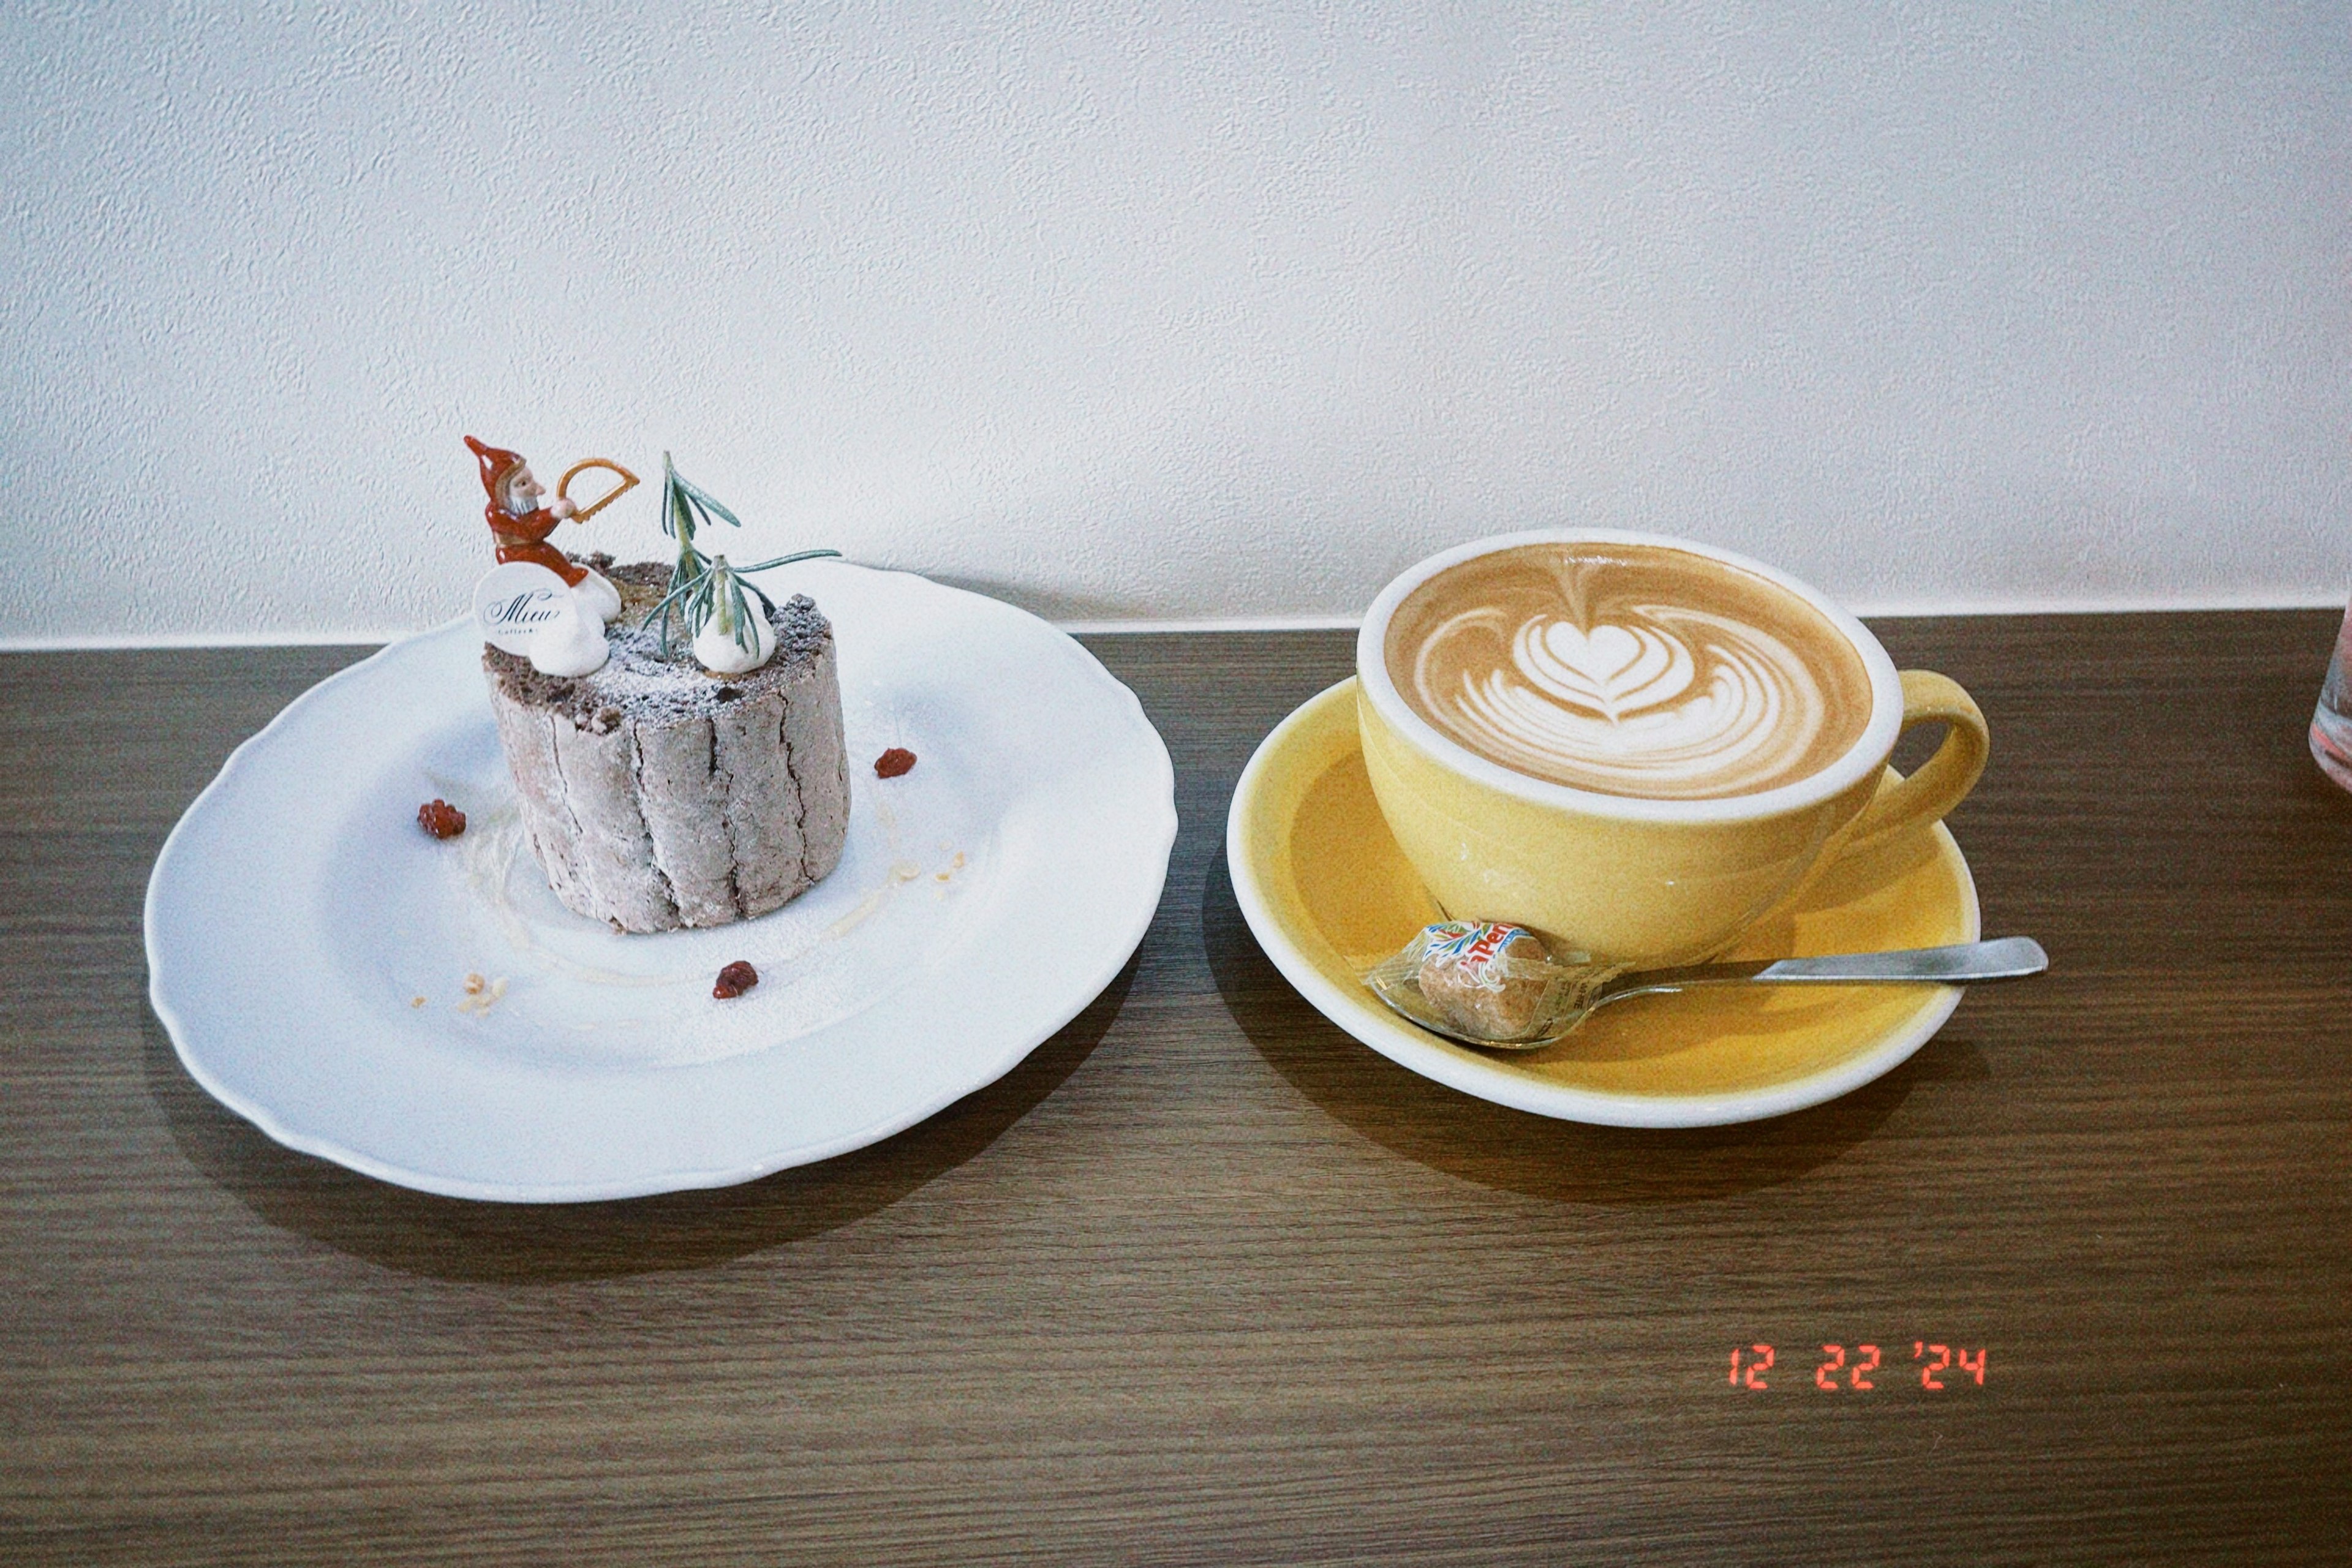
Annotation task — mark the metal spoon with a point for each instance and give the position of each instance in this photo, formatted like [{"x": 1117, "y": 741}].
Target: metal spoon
[{"x": 2004, "y": 958}]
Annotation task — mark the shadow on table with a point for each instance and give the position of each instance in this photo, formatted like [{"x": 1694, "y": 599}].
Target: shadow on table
[
  {"x": 452, "y": 1239},
  {"x": 1515, "y": 1151}
]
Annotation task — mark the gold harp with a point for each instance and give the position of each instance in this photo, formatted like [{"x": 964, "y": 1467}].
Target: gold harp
[{"x": 563, "y": 486}]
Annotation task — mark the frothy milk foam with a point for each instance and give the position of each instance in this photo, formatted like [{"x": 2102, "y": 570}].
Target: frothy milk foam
[{"x": 1629, "y": 670}]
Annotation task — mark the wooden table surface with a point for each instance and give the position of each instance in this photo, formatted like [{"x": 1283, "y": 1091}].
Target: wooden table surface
[{"x": 1206, "y": 1281}]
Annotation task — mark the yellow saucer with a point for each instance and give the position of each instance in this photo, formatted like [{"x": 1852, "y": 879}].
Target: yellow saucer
[{"x": 1328, "y": 894}]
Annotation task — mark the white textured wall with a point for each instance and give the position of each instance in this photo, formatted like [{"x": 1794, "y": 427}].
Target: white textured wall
[{"x": 1164, "y": 312}]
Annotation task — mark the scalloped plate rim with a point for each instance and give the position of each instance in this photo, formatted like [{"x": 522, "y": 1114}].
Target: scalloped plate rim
[{"x": 1120, "y": 940}]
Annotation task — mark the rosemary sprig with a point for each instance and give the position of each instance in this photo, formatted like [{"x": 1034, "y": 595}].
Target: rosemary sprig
[
  {"x": 682, "y": 504},
  {"x": 702, "y": 586},
  {"x": 718, "y": 588}
]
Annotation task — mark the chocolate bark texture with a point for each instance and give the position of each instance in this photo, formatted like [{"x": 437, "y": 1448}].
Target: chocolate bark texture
[{"x": 659, "y": 795}]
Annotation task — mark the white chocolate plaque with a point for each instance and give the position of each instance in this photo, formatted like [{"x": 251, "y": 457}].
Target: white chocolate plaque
[{"x": 513, "y": 601}]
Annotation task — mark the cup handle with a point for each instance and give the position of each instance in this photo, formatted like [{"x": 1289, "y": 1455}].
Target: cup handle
[{"x": 1944, "y": 780}]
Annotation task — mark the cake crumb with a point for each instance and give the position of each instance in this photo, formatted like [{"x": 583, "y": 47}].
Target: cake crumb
[
  {"x": 894, "y": 762},
  {"x": 416, "y": 1001},
  {"x": 481, "y": 995}
]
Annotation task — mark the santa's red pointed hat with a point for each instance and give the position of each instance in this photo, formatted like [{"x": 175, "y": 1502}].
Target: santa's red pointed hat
[{"x": 496, "y": 463}]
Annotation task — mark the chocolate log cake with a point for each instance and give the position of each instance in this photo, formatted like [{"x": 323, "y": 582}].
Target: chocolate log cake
[{"x": 659, "y": 795}]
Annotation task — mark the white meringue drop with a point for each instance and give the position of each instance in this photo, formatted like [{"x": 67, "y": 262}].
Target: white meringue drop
[
  {"x": 572, "y": 643},
  {"x": 719, "y": 652},
  {"x": 597, "y": 595}
]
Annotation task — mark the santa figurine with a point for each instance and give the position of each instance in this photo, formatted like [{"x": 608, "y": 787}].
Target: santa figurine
[{"x": 520, "y": 525}]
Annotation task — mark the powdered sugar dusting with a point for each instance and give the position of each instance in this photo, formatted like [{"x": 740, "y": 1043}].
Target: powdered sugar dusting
[{"x": 641, "y": 681}]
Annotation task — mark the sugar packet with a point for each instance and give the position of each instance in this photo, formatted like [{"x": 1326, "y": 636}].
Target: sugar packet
[{"x": 1485, "y": 980}]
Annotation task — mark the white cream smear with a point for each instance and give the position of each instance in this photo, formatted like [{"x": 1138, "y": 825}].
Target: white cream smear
[
  {"x": 559, "y": 987},
  {"x": 1668, "y": 700}
]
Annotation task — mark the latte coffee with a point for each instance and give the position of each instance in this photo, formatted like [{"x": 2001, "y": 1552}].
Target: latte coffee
[{"x": 1629, "y": 670}]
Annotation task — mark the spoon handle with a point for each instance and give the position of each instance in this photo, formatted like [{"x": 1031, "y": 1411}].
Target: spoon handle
[{"x": 2004, "y": 958}]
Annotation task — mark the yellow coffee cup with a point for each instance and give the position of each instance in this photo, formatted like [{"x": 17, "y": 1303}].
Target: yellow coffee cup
[{"x": 1629, "y": 864}]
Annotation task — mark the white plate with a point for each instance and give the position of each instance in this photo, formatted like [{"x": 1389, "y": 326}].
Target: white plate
[{"x": 297, "y": 913}]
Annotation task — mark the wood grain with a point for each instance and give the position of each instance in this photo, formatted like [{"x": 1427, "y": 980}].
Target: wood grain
[{"x": 1204, "y": 1280}]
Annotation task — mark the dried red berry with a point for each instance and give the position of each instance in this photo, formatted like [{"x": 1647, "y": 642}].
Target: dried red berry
[
  {"x": 441, "y": 819},
  {"x": 893, "y": 762},
  {"x": 734, "y": 980}
]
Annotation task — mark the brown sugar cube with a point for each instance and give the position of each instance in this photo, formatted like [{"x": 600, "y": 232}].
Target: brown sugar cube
[{"x": 1489, "y": 981}]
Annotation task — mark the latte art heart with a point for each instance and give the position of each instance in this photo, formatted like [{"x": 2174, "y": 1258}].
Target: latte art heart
[
  {"x": 1610, "y": 670},
  {"x": 1606, "y": 675}
]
